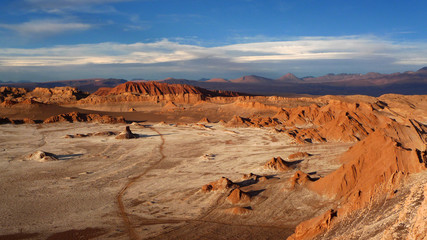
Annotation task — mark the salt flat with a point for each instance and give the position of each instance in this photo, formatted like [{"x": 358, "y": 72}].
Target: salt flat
[{"x": 78, "y": 194}]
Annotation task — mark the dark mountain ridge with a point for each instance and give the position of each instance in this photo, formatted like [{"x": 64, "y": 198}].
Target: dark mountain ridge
[{"x": 373, "y": 84}]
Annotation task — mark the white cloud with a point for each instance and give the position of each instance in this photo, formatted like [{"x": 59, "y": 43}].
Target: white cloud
[
  {"x": 45, "y": 27},
  {"x": 349, "y": 48}
]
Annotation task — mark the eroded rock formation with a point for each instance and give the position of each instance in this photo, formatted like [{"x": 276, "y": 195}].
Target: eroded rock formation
[
  {"x": 83, "y": 117},
  {"x": 299, "y": 155},
  {"x": 238, "y": 196},
  {"x": 222, "y": 184},
  {"x": 278, "y": 164},
  {"x": 127, "y": 134},
  {"x": 373, "y": 168},
  {"x": 58, "y": 95},
  {"x": 154, "y": 92},
  {"x": 41, "y": 156}
]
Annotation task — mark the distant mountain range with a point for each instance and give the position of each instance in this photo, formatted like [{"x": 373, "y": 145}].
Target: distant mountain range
[
  {"x": 373, "y": 84},
  {"x": 87, "y": 85}
]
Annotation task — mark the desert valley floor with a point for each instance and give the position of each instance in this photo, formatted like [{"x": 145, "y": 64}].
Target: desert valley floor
[
  {"x": 81, "y": 189},
  {"x": 167, "y": 165},
  {"x": 189, "y": 163}
]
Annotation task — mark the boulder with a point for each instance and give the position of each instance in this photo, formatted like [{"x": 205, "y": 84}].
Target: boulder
[
  {"x": 41, "y": 156},
  {"x": 126, "y": 134}
]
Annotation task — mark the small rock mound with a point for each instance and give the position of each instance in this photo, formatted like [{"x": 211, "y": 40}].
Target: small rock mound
[
  {"x": 105, "y": 133},
  {"x": 222, "y": 184},
  {"x": 238, "y": 196},
  {"x": 262, "y": 179},
  {"x": 300, "y": 178},
  {"x": 249, "y": 179},
  {"x": 205, "y": 120},
  {"x": 127, "y": 134},
  {"x": 222, "y": 122},
  {"x": 170, "y": 106},
  {"x": 278, "y": 164},
  {"x": 41, "y": 156},
  {"x": 299, "y": 155},
  {"x": 81, "y": 135},
  {"x": 132, "y": 110},
  {"x": 251, "y": 176},
  {"x": 238, "y": 210},
  {"x": 238, "y": 121}
]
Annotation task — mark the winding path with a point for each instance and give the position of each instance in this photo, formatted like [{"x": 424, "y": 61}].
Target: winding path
[
  {"x": 131, "y": 231},
  {"x": 202, "y": 219}
]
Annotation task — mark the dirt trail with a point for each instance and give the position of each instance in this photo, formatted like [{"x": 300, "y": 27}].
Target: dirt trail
[
  {"x": 133, "y": 235},
  {"x": 131, "y": 231}
]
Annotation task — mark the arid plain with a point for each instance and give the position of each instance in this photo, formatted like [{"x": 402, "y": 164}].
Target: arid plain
[{"x": 200, "y": 164}]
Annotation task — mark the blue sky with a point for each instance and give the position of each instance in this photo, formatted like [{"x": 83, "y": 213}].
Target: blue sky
[{"x": 44, "y": 40}]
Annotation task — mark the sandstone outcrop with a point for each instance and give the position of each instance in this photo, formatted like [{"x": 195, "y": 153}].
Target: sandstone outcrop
[
  {"x": 278, "y": 164},
  {"x": 238, "y": 196},
  {"x": 154, "y": 92},
  {"x": 238, "y": 121},
  {"x": 170, "y": 106},
  {"x": 12, "y": 94},
  {"x": 83, "y": 117},
  {"x": 299, "y": 155},
  {"x": 305, "y": 135},
  {"x": 373, "y": 168},
  {"x": 204, "y": 120},
  {"x": 82, "y": 135},
  {"x": 251, "y": 176},
  {"x": 222, "y": 184},
  {"x": 4, "y": 120},
  {"x": 255, "y": 105},
  {"x": 323, "y": 223},
  {"x": 300, "y": 178},
  {"x": 335, "y": 121},
  {"x": 264, "y": 122},
  {"x": 127, "y": 134},
  {"x": 41, "y": 156},
  {"x": 58, "y": 95}
]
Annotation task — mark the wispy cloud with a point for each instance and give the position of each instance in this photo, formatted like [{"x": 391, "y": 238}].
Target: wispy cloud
[
  {"x": 54, "y": 6},
  {"x": 312, "y": 48},
  {"x": 136, "y": 24},
  {"x": 45, "y": 27},
  {"x": 328, "y": 53}
]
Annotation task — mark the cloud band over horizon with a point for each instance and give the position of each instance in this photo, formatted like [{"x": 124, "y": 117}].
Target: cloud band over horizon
[{"x": 166, "y": 58}]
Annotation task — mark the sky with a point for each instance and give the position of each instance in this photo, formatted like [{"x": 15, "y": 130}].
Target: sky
[{"x": 45, "y": 40}]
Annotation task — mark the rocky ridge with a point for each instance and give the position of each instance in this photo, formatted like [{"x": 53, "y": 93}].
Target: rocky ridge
[
  {"x": 58, "y": 95},
  {"x": 83, "y": 117},
  {"x": 372, "y": 169}
]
